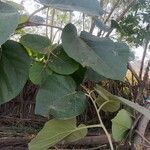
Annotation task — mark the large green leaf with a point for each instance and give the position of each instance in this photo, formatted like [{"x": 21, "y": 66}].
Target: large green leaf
[
  {"x": 36, "y": 42},
  {"x": 104, "y": 56},
  {"x": 9, "y": 19},
  {"x": 121, "y": 124},
  {"x": 53, "y": 132},
  {"x": 91, "y": 7},
  {"x": 57, "y": 96},
  {"x": 61, "y": 63},
  {"x": 39, "y": 72},
  {"x": 112, "y": 104},
  {"x": 14, "y": 66}
]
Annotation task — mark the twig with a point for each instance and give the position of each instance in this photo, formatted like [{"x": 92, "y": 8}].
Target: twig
[
  {"x": 52, "y": 23},
  {"x": 122, "y": 15},
  {"x": 143, "y": 59},
  {"x": 145, "y": 139},
  {"x": 142, "y": 125},
  {"x": 99, "y": 117},
  {"x": 108, "y": 17},
  {"x": 35, "y": 12},
  {"x": 133, "y": 72},
  {"x": 47, "y": 14},
  {"x": 32, "y": 24}
]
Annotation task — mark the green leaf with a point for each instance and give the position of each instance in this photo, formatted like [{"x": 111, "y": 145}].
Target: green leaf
[
  {"x": 112, "y": 56},
  {"x": 93, "y": 76},
  {"x": 39, "y": 72},
  {"x": 23, "y": 18},
  {"x": 61, "y": 63},
  {"x": 36, "y": 42},
  {"x": 90, "y": 7},
  {"x": 135, "y": 106},
  {"x": 16, "y": 5},
  {"x": 105, "y": 94},
  {"x": 9, "y": 18},
  {"x": 104, "y": 56},
  {"x": 78, "y": 76},
  {"x": 114, "y": 24},
  {"x": 53, "y": 132},
  {"x": 77, "y": 135},
  {"x": 121, "y": 124},
  {"x": 112, "y": 105},
  {"x": 57, "y": 96},
  {"x": 14, "y": 66}
]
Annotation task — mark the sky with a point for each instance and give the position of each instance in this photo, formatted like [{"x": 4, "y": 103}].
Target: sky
[{"x": 30, "y": 8}]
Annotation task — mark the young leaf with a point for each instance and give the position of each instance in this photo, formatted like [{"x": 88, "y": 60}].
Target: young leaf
[
  {"x": 35, "y": 42},
  {"x": 61, "y": 63},
  {"x": 90, "y": 7},
  {"x": 112, "y": 105},
  {"x": 39, "y": 72},
  {"x": 121, "y": 124},
  {"x": 57, "y": 96},
  {"x": 105, "y": 94},
  {"x": 14, "y": 66},
  {"x": 9, "y": 18},
  {"x": 107, "y": 58}
]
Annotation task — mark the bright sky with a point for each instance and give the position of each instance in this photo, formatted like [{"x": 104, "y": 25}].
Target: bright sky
[{"x": 30, "y": 7}]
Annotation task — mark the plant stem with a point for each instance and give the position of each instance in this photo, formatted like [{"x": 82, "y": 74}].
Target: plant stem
[
  {"x": 35, "y": 12},
  {"x": 101, "y": 123},
  {"x": 47, "y": 15}
]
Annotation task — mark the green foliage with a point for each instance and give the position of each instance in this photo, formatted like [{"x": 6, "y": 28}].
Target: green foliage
[
  {"x": 121, "y": 124},
  {"x": 14, "y": 66},
  {"x": 132, "y": 28},
  {"x": 90, "y": 51},
  {"x": 36, "y": 42},
  {"x": 55, "y": 131},
  {"x": 60, "y": 63},
  {"x": 39, "y": 72},
  {"x": 93, "y": 76},
  {"x": 19, "y": 7},
  {"x": 58, "y": 70},
  {"x": 77, "y": 135},
  {"x": 58, "y": 97},
  {"x": 106, "y": 95},
  {"x": 9, "y": 18},
  {"x": 90, "y": 7},
  {"x": 112, "y": 104}
]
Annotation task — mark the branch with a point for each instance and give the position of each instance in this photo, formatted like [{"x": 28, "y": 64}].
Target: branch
[
  {"x": 32, "y": 24},
  {"x": 143, "y": 59},
  {"x": 35, "y": 12},
  {"x": 108, "y": 17},
  {"x": 133, "y": 72},
  {"x": 138, "y": 139},
  {"x": 122, "y": 15}
]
